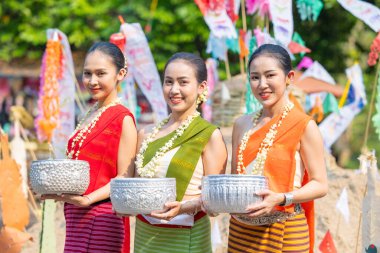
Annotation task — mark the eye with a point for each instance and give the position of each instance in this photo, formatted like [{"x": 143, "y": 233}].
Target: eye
[
  {"x": 254, "y": 78},
  {"x": 183, "y": 83},
  {"x": 168, "y": 82},
  {"x": 101, "y": 73},
  {"x": 271, "y": 75},
  {"x": 86, "y": 73}
]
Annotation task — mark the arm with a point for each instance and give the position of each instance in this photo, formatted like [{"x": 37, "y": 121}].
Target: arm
[
  {"x": 214, "y": 158},
  {"x": 312, "y": 153},
  {"x": 125, "y": 164},
  {"x": 236, "y": 136}
]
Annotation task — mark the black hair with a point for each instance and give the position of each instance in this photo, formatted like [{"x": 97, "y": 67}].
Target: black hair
[
  {"x": 112, "y": 51},
  {"x": 195, "y": 61},
  {"x": 274, "y": 51}
]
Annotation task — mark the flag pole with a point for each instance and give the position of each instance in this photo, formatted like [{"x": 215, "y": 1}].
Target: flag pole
[{"x": 373, "y": 94}]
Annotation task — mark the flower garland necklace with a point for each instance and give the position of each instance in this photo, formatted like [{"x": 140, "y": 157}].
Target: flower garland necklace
[
  {"x": 150, "y": 169},
  {"x": 266, "y": 144},
  {"x": 86, "y": 130}
]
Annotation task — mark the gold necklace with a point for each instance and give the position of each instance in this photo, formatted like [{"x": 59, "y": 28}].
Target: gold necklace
[
  {"x": 86, "y": 130},
  {"x": 266, "y": 144}
]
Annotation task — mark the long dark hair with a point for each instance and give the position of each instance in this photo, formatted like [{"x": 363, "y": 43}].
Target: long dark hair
[
  {"x": 112, "y": 51},
  {"x": 195, "y": 61},
  {"x": 276, "y": 52}
]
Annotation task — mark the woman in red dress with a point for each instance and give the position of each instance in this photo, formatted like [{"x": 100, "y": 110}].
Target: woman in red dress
[{"x": 106, "y": 138}]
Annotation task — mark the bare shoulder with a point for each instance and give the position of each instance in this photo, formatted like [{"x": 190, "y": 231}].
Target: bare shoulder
[
  {"x": 242, "y": 122},
  {"x": 145, "y": 131},
  {"x": 216, "y": 137}
]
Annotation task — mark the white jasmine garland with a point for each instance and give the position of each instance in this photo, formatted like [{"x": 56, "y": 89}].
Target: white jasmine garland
[
  {"x": 86, "y": 130},
  {"x": 150, "y": 169},
  {"x": 266, "y": 144}
]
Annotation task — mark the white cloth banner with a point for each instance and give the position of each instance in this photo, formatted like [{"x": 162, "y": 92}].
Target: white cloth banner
[
  {"x": 282, "y": 18},
  {"x": 143, "y": 68},
  {"x": 128, "y": 94},
  {"x": 342, "y": 205},
  {"x": 220, "y": 24},
  {"x": 355, "y": 74},
  {"x": 317, "y": 71},
  {"x": 66, "y": 97},
  {"x": 367, "y": 12},
  {"x": 336, "y": 123}
]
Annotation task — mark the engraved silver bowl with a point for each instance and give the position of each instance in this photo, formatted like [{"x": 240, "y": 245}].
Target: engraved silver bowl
[
  {"x": 231, "y": 193},
  {"x": 57, "y": 176},
  {"x": 141, "y": 195}
]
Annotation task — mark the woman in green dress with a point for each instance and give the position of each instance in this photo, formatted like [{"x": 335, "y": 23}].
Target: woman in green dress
[{"x": 186, "y": 147}]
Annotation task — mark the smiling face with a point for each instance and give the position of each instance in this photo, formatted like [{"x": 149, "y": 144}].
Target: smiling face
[
  {"x": 100, "y": 76},
  {"x": 181, "y": 87},
  {"x": 268, "y": 81}
]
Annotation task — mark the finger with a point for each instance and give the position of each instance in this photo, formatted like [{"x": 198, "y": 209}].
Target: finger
[
  {"x": 172, "y": 204},
  {"x": 263, "y": 192},
  {"x": 258, "y": 213}
]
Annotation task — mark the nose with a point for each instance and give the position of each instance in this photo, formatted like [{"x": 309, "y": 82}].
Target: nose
[
  {"x": 93, "y": 80},
  {"x": 174, "y": 88},
  {"x": 263, "y": 83}
]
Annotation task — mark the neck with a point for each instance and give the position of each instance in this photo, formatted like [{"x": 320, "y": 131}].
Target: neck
[
  {"x": 111, "y": 98},
  {"x": 178, "y": 117},
  {"x": 276, "y": 109}
]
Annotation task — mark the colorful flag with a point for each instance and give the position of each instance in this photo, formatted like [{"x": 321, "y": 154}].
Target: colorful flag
[
  {"x": 220, "y": 24},
  {"x": 327, "y": 244},
  {"x": 143, "y": 68},
  {"x": 342, "y": 205},
  {"x": 376, "y": 117},
  {"x": 66, "y": 91},
  {"x": 217, "y": 47},
  {"x": 330, "y": 104},
  {"x": 282, "y": 18},
  {"x": 306, "y": 62},
  {"x": 368, "y": 13},
  {"x": 261, "y": 6},
  {"x": 317, "y": 71}
]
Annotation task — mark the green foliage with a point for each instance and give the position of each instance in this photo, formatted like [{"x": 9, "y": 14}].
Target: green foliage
[{"x": 337, "y": 39}]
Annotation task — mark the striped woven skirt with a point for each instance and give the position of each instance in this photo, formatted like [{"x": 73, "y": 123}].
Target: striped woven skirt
[
  {"x": 95, "y": 229},
  {"x": 288, "y": 236},
  {"x": 155, "y": 239}
]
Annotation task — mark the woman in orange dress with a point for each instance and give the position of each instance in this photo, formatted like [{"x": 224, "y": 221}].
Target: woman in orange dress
[
  {"x": 107, "y": 139},
  {"x": 285, "y": 145}
]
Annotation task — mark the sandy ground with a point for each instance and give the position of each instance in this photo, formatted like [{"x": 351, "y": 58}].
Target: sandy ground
[{"x": 346, "y": 235}]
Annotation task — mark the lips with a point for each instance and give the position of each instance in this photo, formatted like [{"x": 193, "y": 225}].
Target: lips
[
  {"x": 176, "y": 100},
  {"x": 265, "y": 95}
]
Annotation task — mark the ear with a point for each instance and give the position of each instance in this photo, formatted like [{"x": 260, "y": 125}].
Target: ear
[
  {"x": 201, "y": 87},
  {"x": 122, "y": 73},
  {"x": 290, "y": 76}
]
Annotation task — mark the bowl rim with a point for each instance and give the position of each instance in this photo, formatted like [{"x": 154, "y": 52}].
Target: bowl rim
[
  {"x": 59, "y": 160},
  {"x": 234, "y": 176},
  {"x": 142, "y": 179}
]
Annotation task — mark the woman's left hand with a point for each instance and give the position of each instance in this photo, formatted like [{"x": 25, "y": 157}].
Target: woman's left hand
[
  {"x": 169, "y": 212},
  {"x": 76, "y": 200},
  {"x": 270, "y": 200}
]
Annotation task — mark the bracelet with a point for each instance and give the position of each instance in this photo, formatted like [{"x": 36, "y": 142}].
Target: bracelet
[
  {"x": 89, "y": 199},
  {"x": 196, "y": 206}
]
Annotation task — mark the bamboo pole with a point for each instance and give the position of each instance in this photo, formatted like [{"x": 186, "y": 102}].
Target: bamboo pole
[
  {"x": 373, "y": 95},
  {"x": 227, "y": 67}
]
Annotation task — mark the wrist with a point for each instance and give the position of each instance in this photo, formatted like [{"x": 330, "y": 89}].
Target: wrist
[
  {"x": 288, "y": 199},
  {"x": 88, "y": 198}
]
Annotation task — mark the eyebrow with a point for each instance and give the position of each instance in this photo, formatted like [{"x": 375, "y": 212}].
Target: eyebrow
[
  {"x": 181, "y": 77},
  {"x": 95, "y": 70},
  {"x": 271, "y": 70}
]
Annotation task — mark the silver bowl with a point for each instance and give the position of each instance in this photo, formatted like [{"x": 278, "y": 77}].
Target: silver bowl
[
  {"x": 231, "y": 193},
  {"x": 141, "y": 195},
  {"x": 57, "y": 176}
]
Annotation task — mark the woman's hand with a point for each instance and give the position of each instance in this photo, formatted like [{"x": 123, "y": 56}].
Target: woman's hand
[
  {"x": 169, "y": 212},
  {"x": 271, "y": 199},
  {"x": 76, "y": 200}
]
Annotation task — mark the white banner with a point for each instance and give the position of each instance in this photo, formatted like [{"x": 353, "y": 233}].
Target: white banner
[
  {"x": 367, "y": 12},
  {"x": 342, "y": 205},
  {"x": 220, "y": 24},
  {"x": 143, "y": 68},
  {"x": 355, "y": 74},
  {"x": 128, "y": 94},
  {"x": 317, "y": 71},
  {"x": 282, "y": 18},
  {"x": 336, "y": 123},
  {"x": 66, "y": 97}
]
